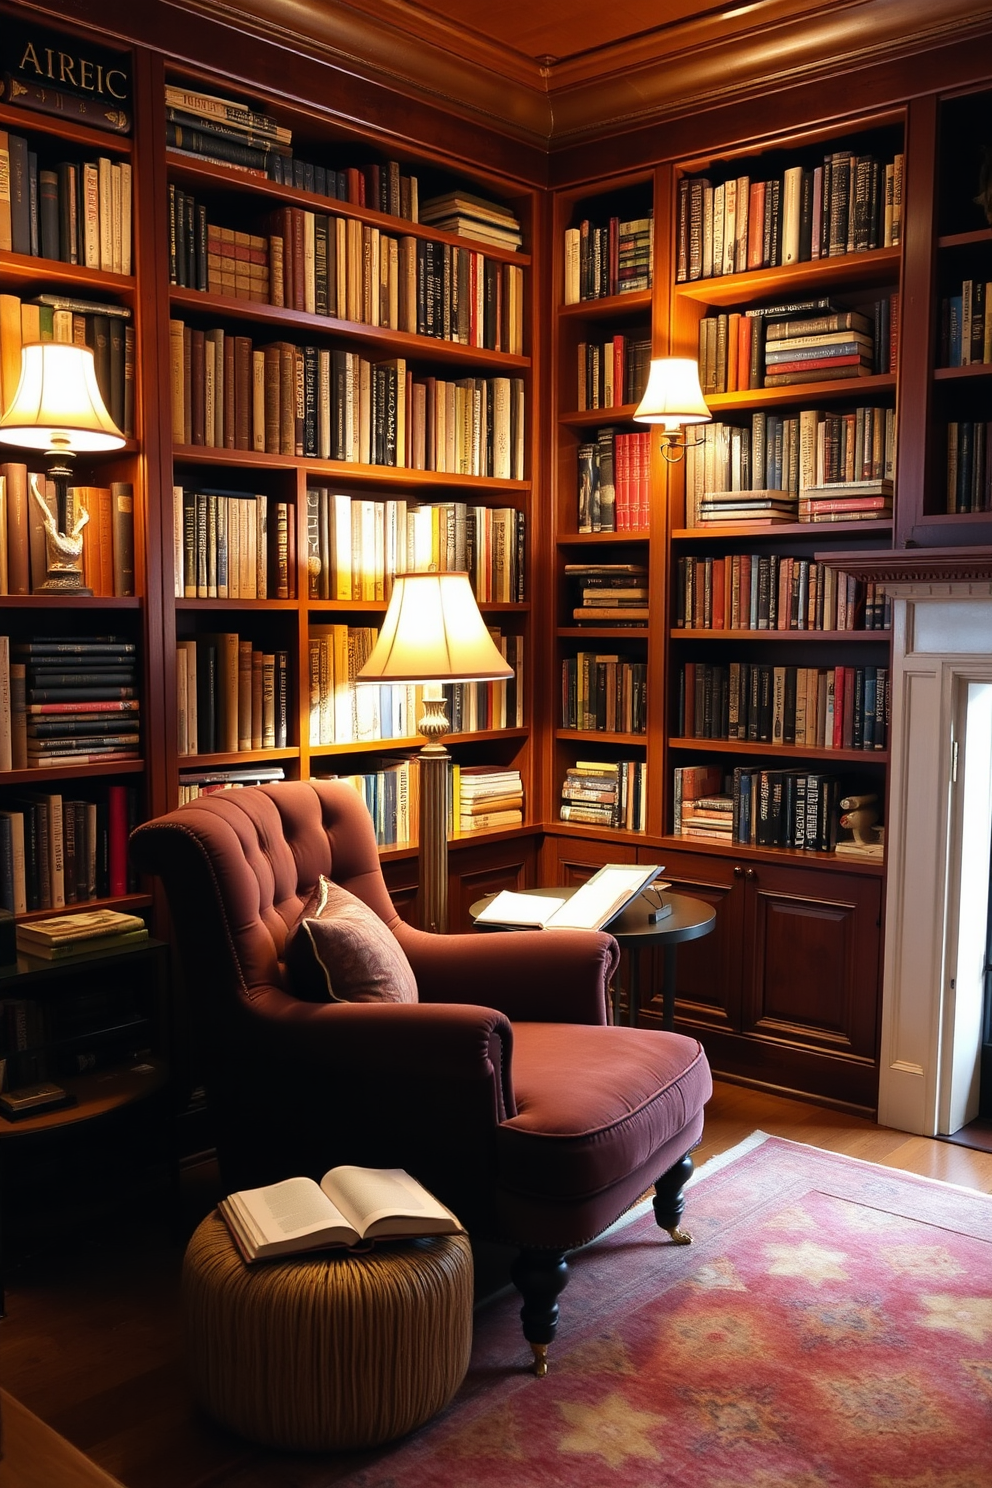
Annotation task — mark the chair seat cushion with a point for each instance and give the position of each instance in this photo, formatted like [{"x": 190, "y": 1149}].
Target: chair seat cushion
[
  {"x": 340, "y": 951},
  {"x": 593, "y": 1102}
]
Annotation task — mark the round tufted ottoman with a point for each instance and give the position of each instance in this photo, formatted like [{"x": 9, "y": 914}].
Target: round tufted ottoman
[{"x": 326, "y": 1352}]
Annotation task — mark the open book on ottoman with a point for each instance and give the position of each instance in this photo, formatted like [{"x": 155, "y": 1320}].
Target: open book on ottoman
[{"x": 349, "y": 1207}]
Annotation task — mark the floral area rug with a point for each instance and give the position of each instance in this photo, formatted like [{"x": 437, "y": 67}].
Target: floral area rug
[{"x": 829, "y": 1327}]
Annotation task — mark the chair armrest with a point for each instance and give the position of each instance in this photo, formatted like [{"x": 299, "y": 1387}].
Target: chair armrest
[
  {"x": 544, "y": 976},
  {"x": 407, "y": 1048}
]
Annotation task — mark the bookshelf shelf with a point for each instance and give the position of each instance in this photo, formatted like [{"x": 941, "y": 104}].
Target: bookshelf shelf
[
  {"x": 780, "y": 751},
  {"x": 30, "y": 121},
  {"x": 219, "y": 180},
  {"x": 753, "y": 637},
  {"x": 812, "y": 276},
  {"x": 379, "y": 339},
  {"x": 342, "y": 470},
  {"x": 818, "y": 530},
  {"x": 807, "y": 394}
]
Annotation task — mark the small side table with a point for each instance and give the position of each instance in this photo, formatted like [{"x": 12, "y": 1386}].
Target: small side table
[{"x": 633, "y": 931}]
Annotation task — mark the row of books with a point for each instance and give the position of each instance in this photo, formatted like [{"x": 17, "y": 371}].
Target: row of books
[
  {"x": 76, "y": 212},
  {"x": 756, "y": 348},
  {"x": 196, "y": 783},
  {"x": 604, "y": 793},
  {"x": 356, "y": 546},
  {"x": 604, "y": 693},
  {"x": 772, "y": 591},
  {"x": 840, "y": 707},
  {"x": 791, "y": 452},
  {"x": 345, "y": 269},
  {"x": 838, "y": 501},
  {"x": 57, "y": 849},
  {"x": 969, "y": 465},
  {"x": 614, "y": 472},
  {"x": 74, "y": 1032},
  {"x": 609, "y": 258},
  {"x": 848, "y": 203},
  {"x": 343, "y": 711},
  {"x": 222, "y": 130},
  {"x": 108, "y": 537},
  {"x": 233, "y": 545},
  {"x": 105, "y": 329},
  {"x": 798, "y": 809},
  {"x": 480, "y": 798},
  {"x": 966, "y": 325},
  {"x": 231, "y": 696},
  {"x": 80, "y": 701},
  {"x": 315, "y": 403},
  {"x": 612, "y": 373},
  {"x": 609, "y": 593}
]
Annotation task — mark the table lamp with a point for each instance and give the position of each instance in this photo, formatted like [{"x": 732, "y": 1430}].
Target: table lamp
[
  {"x": 673, "y": 399},
  {"x": 433, "y": 633},
  {"x": 57, "y": 407}
]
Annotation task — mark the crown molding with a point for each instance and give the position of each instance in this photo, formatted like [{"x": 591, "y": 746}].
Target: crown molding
[
  {"x": 705, "y": 65},
  {"x": 730, "y": 50},
  {"x": 916, "y": 565}
]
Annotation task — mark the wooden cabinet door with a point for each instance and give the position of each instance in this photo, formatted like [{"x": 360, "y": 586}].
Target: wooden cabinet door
[
  {"x": 811, "y": 958},
  {"x": 708, "y": 970},
  {"x": 474, "y": 872}
]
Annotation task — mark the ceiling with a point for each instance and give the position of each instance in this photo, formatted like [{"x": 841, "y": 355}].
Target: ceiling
[
  {"x": 557, "y": 72},
  {"x": 543, "y": 32}
]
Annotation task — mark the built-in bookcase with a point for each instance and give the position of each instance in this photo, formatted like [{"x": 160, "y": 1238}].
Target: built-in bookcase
[{"x": 363, "y": 380}]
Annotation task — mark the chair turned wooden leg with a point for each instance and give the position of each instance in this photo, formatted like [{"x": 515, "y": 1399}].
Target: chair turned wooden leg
[
  {"x": 540, "y": 1276},
  {"x": 669, "y": 1200}
]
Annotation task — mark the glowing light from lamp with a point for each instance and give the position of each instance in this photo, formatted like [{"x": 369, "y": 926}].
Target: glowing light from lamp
[{"x": 673, "y": 399}]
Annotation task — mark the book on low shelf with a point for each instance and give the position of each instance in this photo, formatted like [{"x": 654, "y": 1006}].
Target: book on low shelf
[
  {"x": 350, "y": 1207},
  {"x": 86, "y": 933}
]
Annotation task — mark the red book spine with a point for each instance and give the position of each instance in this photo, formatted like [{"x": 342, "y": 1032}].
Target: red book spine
[{"x": 117, "y": 839}]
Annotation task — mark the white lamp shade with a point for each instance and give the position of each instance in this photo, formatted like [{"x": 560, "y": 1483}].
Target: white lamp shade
[
  {"x": 673, "y": 396},
  {"x": 57, "y": 404},
  {"x": 433, "y": 632}
]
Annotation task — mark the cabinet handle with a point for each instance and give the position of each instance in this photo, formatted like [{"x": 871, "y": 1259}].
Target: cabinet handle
[
  {"x": 750, "y": 873},
  {"x": 738, "y": 871}
]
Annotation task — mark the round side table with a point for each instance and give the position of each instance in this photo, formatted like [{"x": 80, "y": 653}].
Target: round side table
[{"x": 634, "y": 931}]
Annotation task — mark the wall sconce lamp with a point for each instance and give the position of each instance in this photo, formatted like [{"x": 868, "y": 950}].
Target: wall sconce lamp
[
  {"x": 673, "y": 399},
  {"x": 433, "y": 633},
  {"x": 57, "y": 407}
]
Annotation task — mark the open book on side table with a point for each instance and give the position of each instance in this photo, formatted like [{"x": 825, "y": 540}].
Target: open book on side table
[
  {"x": 349, "y": 1206},
  {"x": 592, "y": 905}
]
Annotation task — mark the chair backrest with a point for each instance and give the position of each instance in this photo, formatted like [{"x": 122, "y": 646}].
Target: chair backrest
[{"x": 238, "y": 867}]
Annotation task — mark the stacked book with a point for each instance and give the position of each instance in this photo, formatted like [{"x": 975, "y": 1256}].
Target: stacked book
[
  {"x": 691, "y": 785},
  {"x": 839, "y": 343},
  {"x": 489, "y": 797},
  {"x": 610, "y": 593},
  {"x": 764, "y": 507},
  {"x": 602, "y": 793},
  {"x": 90, "y": 932},
  {"x": 708, "y": 816},
  {"x": 223, "y": 131},
  {"x": 469, "y": 216},
  {"x": 82, "y": 702},
  {"x": 847, "y": 501}
]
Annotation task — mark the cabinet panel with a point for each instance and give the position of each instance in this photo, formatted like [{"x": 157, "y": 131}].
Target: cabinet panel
[
  {"x": 576, "y": 860},
  {"x": 812, "y": 973},
  {"x": 708, "y": 971},
  {"x": 486, "y": 870}
]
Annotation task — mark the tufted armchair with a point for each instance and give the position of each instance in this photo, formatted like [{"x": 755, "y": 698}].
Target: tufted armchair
[{"x": 502, "y": 1088}]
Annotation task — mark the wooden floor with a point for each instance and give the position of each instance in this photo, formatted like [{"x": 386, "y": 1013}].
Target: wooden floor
[{"x": 91, "y": 1341}]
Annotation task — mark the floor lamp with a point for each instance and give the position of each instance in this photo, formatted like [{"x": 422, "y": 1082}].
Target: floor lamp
[
  {"x": 433, "y": 633},
  {"x": 57, "y": 407}
]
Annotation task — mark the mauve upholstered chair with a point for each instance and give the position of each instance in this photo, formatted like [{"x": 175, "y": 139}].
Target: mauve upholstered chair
[{"x": 503, "y": 1088}]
